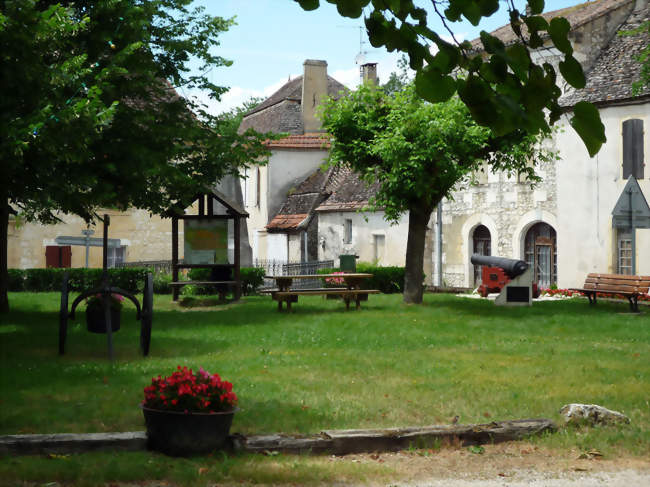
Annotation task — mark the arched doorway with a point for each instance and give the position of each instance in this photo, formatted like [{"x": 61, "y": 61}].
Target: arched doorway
[
  {"x": 540, "y": 250},
  {"x": 481, "y": 245}
]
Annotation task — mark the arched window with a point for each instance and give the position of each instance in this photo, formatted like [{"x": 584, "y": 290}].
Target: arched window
[
  {"x": 541, "y": 254},
  {"x": 482, "y": 246},
  {"x": 633, "y": 148}
]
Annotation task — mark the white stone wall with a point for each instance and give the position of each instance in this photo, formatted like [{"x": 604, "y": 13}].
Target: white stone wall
[
  {"x": 365, "y": 226},
  {"x": 286, "y": 169},
  {"x": 276, "y": 247},
  {"x": 588, "y": 189}
]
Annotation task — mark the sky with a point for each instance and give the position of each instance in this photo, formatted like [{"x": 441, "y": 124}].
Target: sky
[{"x": 272, "y": 39}]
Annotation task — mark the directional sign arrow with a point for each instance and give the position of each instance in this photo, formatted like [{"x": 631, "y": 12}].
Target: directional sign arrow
[{"x": 91, "y": 242}]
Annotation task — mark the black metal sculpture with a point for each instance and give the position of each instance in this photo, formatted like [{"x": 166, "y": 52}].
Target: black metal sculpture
[{"x": 144, "y": 314}]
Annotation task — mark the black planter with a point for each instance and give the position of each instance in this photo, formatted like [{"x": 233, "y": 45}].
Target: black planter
[
  {"x": 95, "y": 319},
  {"x": 183, "y": 434}
]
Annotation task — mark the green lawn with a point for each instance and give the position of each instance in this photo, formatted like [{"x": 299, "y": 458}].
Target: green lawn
[{"x": 321, "y": 367}]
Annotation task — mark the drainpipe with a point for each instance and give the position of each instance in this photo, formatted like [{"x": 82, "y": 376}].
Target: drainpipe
[{"x": 439, "y": 241}]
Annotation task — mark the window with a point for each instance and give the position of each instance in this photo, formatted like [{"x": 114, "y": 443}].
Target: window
[
  {"x": 633, "y": 164},
  {"x": 115, "y": 256},
  {"x": 379, "y": 242},
  {"x": 347, "y": 231},
  {"x": 482, "y": 246},
  {"x": 624, "y": 253}
]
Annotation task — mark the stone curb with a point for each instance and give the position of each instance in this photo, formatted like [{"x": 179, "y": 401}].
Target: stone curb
[{"x": 337, "y": 442}]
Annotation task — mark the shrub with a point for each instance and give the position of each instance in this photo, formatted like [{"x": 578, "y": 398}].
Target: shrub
[
  {"x": 387, "y": 279},
  {"x": 252, "y": 278},
  {"x": 41, "y": 280},
  {"x": 16, "y": 280},
  {"x": 161, "y": 284},
  {"x": 79, "y": 280}
]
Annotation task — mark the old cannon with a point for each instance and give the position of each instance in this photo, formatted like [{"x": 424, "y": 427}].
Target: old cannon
[{"x": 511, "y": 278}]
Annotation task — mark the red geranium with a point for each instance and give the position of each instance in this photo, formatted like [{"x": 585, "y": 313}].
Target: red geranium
[{"x": 185, "y": 391}]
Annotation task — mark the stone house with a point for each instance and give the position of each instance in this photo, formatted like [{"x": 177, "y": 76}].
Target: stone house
[
  {"x": 276, "y": 195},
  {"x": 563, "y": 227}
]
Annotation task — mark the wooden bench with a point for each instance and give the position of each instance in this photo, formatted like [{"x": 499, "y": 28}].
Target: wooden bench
[
  {"x": 625, "y": 285},
  {"x": 222, "y": 286},
  {"x": 291, "y": 296}
]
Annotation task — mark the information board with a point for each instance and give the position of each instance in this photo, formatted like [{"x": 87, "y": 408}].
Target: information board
[{"x": 206, "y": 241}]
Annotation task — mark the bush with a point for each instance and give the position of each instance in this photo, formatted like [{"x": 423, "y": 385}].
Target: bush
[
  {"x": 130, "y": 279},
  {"x": 16, "y": 280},
  {"x": 40, "y": 280},
  {"x": 252, "y": 278},
  {"x": 387, "y": 279},
  {"x": 80, "y": 279},
  {"x": 161, "y": 283}
]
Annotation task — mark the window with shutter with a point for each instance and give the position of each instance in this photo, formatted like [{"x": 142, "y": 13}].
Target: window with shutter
[{"x": 633, "y": 157}]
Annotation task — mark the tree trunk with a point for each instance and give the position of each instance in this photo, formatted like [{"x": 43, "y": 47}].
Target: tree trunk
[
  {"x": 4, "y": 237},
  {"x": 413, "y": 286}
]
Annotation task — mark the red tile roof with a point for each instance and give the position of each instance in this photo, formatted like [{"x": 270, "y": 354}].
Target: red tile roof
[
  {"x": 286, "y": 222},
  {"x": 306, "y": 141}
]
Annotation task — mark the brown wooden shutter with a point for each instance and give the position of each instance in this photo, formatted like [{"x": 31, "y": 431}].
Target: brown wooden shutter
[
  {"x": 52, "y": 256},
  {"x": 633, "y": 149},
  {"x": 65, "y": 256}
]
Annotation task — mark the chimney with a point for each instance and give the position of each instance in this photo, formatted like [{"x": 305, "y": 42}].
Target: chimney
[
  {"x": 314, "y": 90},
  {"x": 369, "y": 73}
]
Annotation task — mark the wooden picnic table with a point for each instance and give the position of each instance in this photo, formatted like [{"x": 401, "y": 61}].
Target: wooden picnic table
[{"x": 352, "y": 289}]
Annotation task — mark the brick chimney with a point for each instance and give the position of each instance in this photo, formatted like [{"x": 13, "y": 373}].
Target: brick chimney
[
  {"x": 369, "y": 73},
  {"x": 314, "y": 90}
]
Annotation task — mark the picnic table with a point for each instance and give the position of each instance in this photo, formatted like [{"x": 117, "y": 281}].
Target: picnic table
[{"x": 351, "y": 291}]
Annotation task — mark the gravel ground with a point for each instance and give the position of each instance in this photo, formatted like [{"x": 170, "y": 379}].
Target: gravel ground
[{"x": 624, "y": 478}]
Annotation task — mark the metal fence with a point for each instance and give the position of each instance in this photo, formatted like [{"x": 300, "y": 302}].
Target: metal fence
[{"x": 283, "y": 268}]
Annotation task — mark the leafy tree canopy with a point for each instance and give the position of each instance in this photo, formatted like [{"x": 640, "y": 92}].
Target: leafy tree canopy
[
  {"x": 417, "y": 152},
  {"x": 502, "y": 86},
  {"x": 91, "y": 115}
]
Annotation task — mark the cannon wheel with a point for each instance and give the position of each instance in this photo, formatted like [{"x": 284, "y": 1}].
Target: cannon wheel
[
  {"x": 63, "y": 314},
  {"x": 147, "y": 315}
]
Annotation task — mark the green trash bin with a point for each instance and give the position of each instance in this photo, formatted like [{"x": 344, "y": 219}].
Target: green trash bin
[{"x": 348, "y": 263}]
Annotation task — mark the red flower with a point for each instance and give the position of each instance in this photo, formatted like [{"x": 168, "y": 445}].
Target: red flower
[{"x": 186, "y": 391}]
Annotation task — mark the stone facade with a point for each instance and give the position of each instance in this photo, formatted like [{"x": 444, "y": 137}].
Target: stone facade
[
  {"x": 506, "y": 205},
  {"x": 142, "y": 236}
]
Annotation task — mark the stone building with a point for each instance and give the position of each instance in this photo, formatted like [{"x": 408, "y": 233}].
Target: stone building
[
  {"x": 563, "y": 227},
  {"x": 276, "y": 195}
]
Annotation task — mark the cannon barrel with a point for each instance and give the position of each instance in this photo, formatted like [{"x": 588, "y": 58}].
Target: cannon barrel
[{"x": 512, "y": 267}]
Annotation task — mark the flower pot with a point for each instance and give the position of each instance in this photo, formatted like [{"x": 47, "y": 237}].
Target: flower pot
[
  {"x": 182, "y": 434},
  {"x": 95, "y": 319}
]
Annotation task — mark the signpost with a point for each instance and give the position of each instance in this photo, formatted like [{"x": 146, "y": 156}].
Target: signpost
[
  {"x": 87, "y": 241},
  {"x": 631, "y": 211}
]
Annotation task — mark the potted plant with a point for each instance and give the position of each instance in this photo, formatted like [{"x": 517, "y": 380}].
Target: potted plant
[
  {"x": 188, "y": 413},
  {"x": 95, "y": 320}
]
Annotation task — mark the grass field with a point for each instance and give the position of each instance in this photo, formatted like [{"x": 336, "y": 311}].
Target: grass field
[{"x": 321, "y": 367}]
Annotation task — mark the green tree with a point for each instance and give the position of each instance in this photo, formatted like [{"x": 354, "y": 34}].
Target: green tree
[
  {"x": 503, "y": 87},
  {"x": 418, "y": 151},
  {"x": 397, "y": 81},
  {"x": 91, "y": 117}
]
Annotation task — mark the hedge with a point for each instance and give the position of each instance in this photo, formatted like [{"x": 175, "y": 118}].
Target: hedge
[
  {"x": 388, "y": 280},
  {"x": 251, "y": 277},
  {"x": 130, "y": 279}
]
